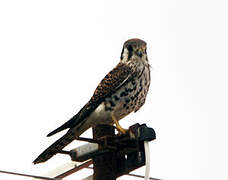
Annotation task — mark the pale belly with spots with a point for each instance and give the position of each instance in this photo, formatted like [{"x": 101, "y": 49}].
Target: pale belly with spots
[
  {"x": 127, "y": 99},
  {"x": 130, "y": 97}
]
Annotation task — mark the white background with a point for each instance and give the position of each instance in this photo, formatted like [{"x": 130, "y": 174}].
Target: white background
[{"x": 54, "y": 53}]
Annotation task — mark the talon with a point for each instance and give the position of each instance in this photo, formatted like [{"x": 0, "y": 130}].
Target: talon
[
  {"x": 118, "y": 127},
  {"x": 121, "y": 131}
]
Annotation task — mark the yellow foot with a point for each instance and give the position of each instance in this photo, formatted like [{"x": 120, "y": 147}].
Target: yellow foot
[
  {"x": 121, "y": 131},
  {"x": 118, "y": 127}
]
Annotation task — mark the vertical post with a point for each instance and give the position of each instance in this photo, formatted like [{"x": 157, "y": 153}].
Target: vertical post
[{"x": 105, "y": 165}]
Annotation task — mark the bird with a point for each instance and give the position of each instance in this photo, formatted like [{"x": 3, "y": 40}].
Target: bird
[{"x": 122, "y": 91}]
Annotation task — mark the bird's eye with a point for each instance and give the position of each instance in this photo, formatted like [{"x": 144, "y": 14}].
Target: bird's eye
[
  {"x": 129, "y": 48},
  {"x": 139, "y": 53}
]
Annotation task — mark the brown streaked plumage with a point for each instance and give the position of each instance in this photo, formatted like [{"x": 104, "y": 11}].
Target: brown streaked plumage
[{"x": 122, "y": 91}]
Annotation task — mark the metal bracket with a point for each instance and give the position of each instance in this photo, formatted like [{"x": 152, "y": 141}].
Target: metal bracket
[{"x": 128, "y": 147}]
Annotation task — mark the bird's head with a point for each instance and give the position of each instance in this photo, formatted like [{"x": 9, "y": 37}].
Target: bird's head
[{"x": 134, "y": 49}]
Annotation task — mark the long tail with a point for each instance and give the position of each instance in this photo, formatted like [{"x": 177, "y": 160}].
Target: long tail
[
  {"x": 56, "y": 147},
  {"x": 66, "y": 125},
  {"x": 77, "y": 124},
  {"x": 75, "y": 120}
]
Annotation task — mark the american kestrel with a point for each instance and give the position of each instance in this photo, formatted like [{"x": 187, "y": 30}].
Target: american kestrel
[{"x": 122, "y": 91}]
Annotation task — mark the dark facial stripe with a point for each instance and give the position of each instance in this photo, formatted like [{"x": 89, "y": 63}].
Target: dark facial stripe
[{"x": 130, "y": 51}]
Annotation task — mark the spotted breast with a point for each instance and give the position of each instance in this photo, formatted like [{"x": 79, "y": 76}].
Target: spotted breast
[{"x": 131, "y": 96}]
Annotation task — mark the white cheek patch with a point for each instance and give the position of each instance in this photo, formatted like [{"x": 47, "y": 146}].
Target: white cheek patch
[{"x": 125, "y": 55}]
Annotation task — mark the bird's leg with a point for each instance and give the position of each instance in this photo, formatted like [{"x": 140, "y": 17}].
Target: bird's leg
[{"x": 118, "y": 127}]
